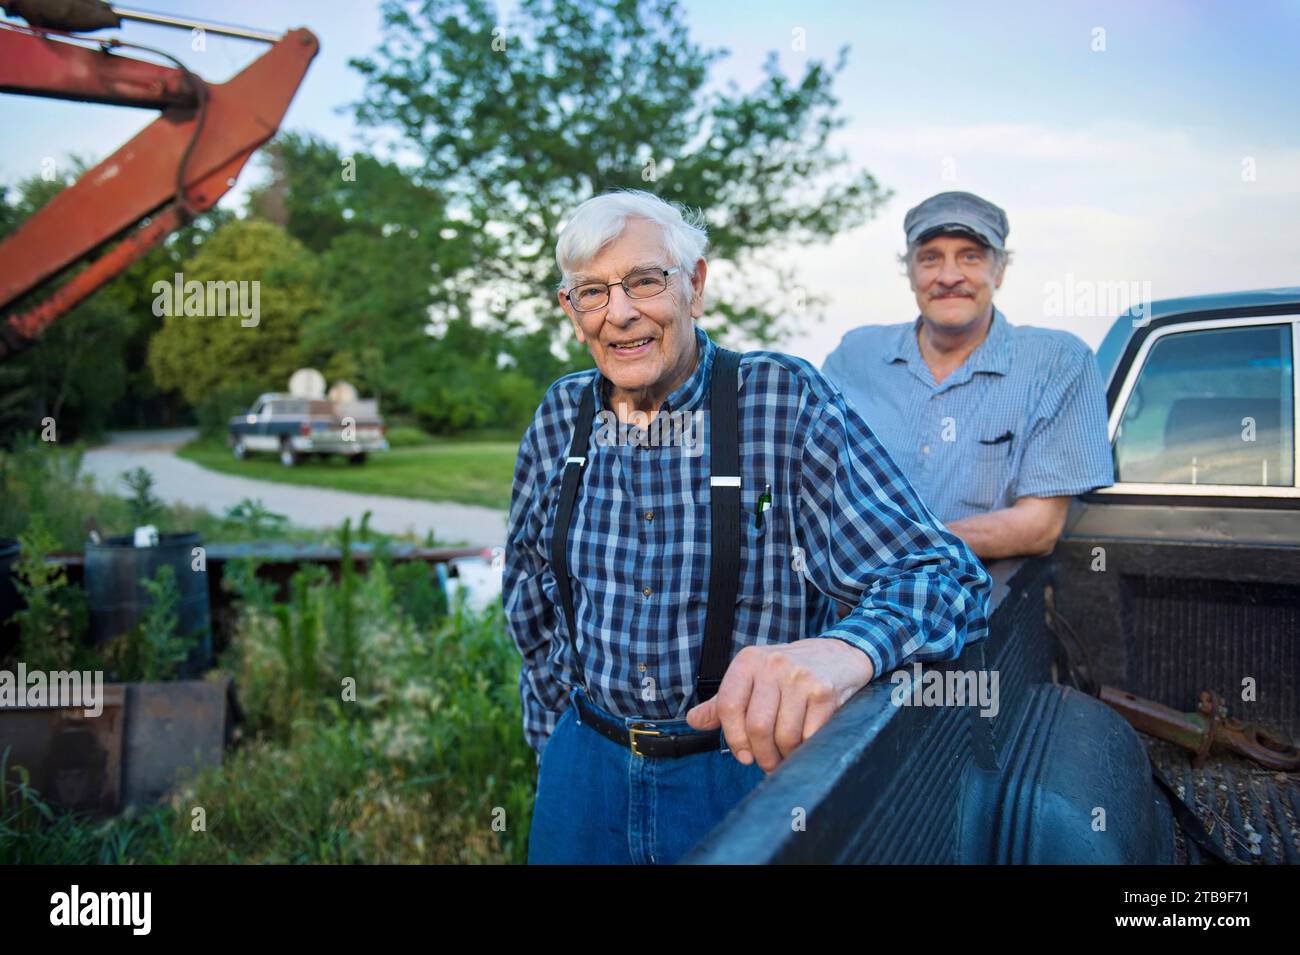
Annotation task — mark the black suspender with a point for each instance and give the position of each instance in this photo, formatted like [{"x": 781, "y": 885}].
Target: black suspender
[
  {"x": 724, "y": 527},
  {"x": 724, "y": 524},
  {"x": 573, "y": 466}
]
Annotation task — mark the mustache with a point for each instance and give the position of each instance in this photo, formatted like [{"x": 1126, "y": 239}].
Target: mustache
[{"x": 963, "y": 292}]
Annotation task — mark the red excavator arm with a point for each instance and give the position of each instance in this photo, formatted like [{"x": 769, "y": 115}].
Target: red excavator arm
[{"x": 177, "y": 167}]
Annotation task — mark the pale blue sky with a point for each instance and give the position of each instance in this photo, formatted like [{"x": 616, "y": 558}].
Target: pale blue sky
[{"x": 1122, "y": 165}]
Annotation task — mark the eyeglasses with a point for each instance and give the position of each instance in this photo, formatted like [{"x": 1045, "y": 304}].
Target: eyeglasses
[{"x": 646, "y": 283}]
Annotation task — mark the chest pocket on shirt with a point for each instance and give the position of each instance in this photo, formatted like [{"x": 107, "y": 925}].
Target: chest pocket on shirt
[
  {"x": 986, "y": 476},
  {"x": 762, "y": 551}
]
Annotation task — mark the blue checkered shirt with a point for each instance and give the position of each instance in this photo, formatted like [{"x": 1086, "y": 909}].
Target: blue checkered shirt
[
  {"x": 1037, "y": 389},
  {"x": 844, "y": 526}
]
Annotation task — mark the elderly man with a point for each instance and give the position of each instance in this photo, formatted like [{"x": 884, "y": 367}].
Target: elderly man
[
  {"x": 996, "y": 425},
  {"x": 672, "y": 589}
]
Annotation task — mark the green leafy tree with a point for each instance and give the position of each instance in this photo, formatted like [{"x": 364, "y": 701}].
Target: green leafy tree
[
  {"x": 145, "y": 403},
  {"x": 391, "y": 323},
  {"x": 517, "y": 122},
  {"x": 460, "y": 382},
  {"x": 8, "y": 214},
  {"x": 88, "y": 369},
  {"x": 76, "y": 371},
  {"x": 211, "y": 356},
  {"x": 384, "y": 244}
]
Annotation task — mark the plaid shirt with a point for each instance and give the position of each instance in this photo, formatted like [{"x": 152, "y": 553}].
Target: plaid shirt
[{"x": 844, "y": 526}]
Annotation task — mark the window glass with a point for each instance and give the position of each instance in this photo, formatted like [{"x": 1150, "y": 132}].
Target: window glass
[{"x": 1213, "y": 406}]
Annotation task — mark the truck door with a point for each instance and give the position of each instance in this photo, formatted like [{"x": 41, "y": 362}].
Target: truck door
[{"x": 1184, "y": 575}]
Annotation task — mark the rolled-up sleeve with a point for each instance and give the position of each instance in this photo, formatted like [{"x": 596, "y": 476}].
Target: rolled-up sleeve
[
  {"x": 530, "y": 617},
  {"x": 917, "y": 591},
  {"x": 1067, "y": 451}
]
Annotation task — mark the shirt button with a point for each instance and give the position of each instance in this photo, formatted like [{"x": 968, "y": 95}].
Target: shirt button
[
  {"x": 649, "y": 515},
  {"x": 926, "y": 449},
  {"x": 641, "y": 667},
  {"x": 646, "y": 592}
]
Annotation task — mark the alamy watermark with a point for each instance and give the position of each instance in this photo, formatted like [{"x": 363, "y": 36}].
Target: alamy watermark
[
  {"x": 56, "y": 688},
  {"x": 1082, "y": 298},
  {"x": 130, "y": 909},
  {"x": 683, "y": 429},
  {"x": 208, "y": 300},
  {"x": 946, "y": 688}
]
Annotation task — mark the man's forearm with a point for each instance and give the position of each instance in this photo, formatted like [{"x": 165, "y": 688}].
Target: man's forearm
[{"x": 1027, "y": 529}]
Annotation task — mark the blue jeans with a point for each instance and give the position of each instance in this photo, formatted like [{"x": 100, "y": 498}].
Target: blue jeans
[{"x": 599, "y": 803}]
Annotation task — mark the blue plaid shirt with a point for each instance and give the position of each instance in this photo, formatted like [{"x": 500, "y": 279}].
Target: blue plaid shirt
[{"x": 844, "y": 526}]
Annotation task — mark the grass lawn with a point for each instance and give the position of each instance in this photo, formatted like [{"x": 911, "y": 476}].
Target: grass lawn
[{"x": 465, "y": 471}]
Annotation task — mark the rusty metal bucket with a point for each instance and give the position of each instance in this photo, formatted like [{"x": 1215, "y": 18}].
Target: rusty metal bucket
[{"x": 148, "y": 739}]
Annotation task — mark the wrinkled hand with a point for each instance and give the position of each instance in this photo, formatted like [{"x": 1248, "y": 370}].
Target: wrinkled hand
[{"x": 772, "y": 698}]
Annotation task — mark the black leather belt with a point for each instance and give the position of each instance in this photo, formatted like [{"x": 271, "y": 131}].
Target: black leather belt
[{"x": 644, "y": 739}]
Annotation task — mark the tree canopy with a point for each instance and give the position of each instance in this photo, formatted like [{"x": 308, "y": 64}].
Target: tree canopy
[
  {"x": 421, "y": 268},
  {"x": 518, "y": 122},
  {"x": 91, "y": 362},
  {"x": 203, "y": 355}
]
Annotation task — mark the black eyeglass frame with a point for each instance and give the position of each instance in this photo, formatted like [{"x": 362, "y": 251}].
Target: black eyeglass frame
[{"x": 568, "y": 293}]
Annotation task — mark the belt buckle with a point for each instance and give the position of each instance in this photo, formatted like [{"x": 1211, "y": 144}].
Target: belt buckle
[{"x": 631, "y": 736}]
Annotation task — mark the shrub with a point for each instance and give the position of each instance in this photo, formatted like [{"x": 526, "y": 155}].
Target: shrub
[
  {"x": 54, "y": 619},
  {"x": 152, "y": 650},
  {"x": 143, "y": 506},
  {"x": 374, "y": 732}
]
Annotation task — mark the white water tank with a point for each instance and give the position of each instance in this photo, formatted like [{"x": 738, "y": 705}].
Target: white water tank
[{"x": 307, "y": 383}]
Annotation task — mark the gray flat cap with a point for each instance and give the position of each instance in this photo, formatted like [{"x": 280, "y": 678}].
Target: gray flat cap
[{"x": 957, "y": 212}]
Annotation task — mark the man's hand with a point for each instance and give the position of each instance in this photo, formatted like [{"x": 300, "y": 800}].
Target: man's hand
[{"x": 772, "y": 698}]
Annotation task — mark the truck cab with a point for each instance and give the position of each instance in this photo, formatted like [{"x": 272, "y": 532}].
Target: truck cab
[{"x": 1175, "y": 590}]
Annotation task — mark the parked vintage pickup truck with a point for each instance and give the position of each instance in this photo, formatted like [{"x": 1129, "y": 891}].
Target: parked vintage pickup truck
[
  {"x": 1182, "y": 578},
  {"x": 295, "y": 427}
]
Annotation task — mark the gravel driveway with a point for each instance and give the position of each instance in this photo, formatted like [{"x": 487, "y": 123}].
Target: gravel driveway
[{"x": 178, "y": 480}]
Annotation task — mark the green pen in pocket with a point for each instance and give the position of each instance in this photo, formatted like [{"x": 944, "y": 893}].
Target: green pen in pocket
[{"x": 762, "y": 504}]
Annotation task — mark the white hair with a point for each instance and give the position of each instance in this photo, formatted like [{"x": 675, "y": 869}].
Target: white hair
[{"x": 601, "y": 219}]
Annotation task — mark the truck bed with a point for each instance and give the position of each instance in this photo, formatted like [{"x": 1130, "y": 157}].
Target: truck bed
[
  {"x": 1199, "y": 598},
  {"x": 883, "y": 783},
  {"x": 1251, "y": 813}
]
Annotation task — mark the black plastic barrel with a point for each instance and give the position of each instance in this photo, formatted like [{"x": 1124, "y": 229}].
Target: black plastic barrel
[
  {"x": 117, "y": 601},
  {"x": 10, "y": 601}
]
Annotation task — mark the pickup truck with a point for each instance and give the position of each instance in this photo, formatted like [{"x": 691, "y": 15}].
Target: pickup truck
[
  {"x": 295, "y": 427},
  {"x": 1180, "y": 583}
]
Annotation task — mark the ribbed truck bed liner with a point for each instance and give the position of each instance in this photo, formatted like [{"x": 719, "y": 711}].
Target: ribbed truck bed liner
[{"x": 1251, "y": 813}]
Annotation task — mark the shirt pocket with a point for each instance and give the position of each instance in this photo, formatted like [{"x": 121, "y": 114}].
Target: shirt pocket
[
  {"x": 985, "y": 477},
  {"x": 761, "y": 554}
]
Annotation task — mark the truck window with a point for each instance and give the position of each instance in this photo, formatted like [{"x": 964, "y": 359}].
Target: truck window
[{"x": 1212, "y": 406}]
